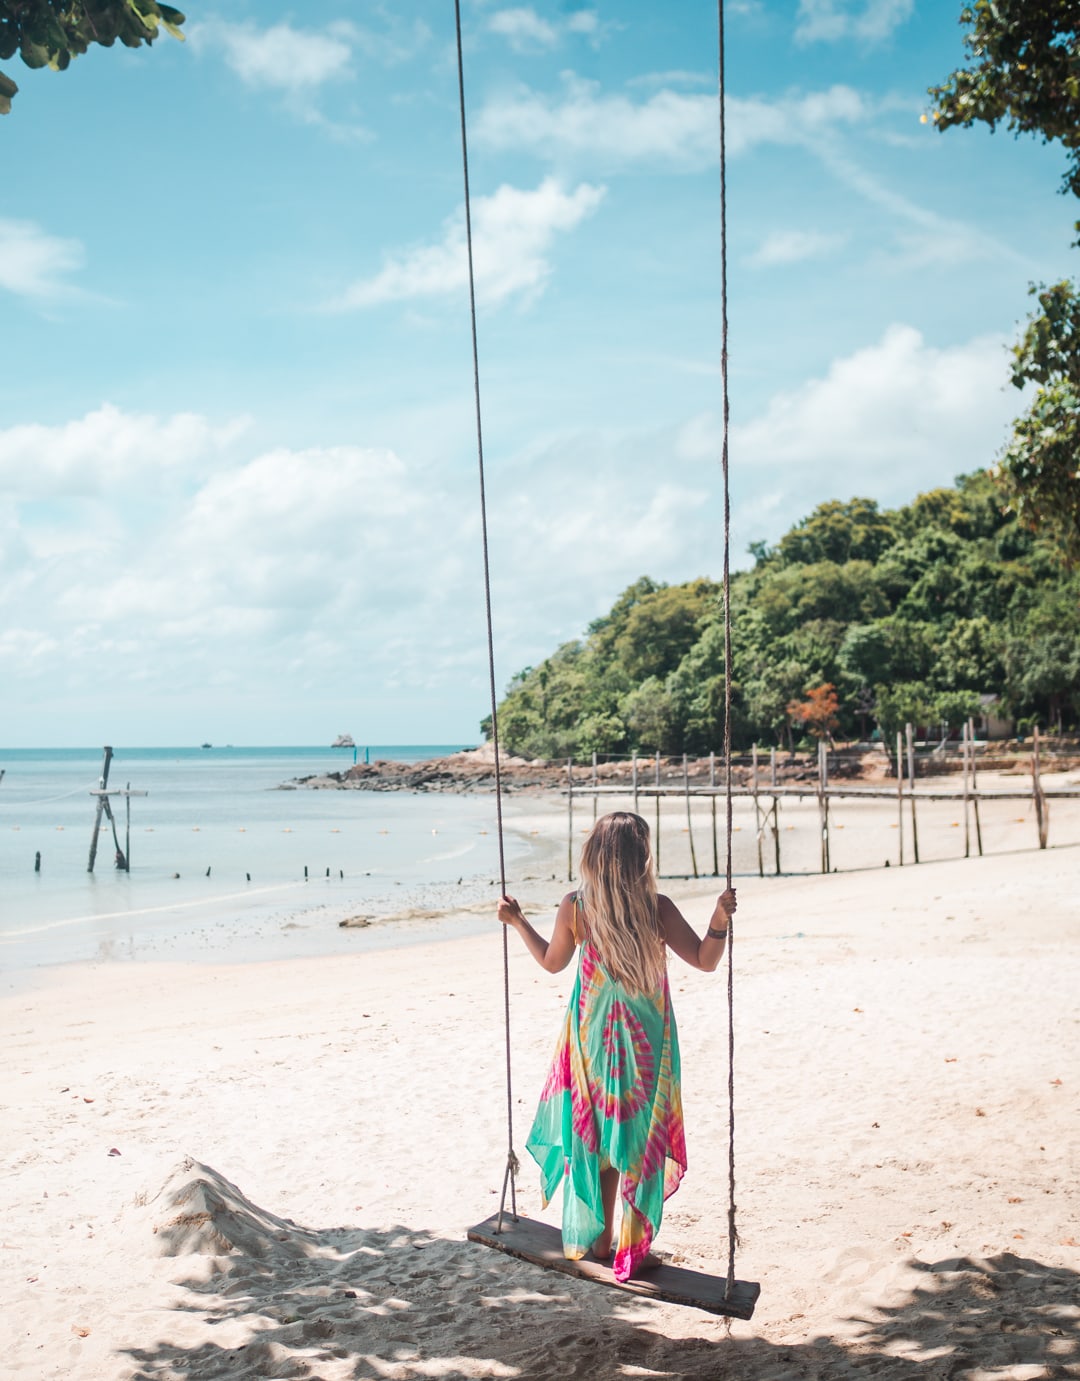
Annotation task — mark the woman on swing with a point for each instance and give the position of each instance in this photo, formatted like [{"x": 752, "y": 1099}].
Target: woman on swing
[{"x": 610, "y": 1116}]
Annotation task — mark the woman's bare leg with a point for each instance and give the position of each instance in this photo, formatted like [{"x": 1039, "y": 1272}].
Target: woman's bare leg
[{"x": 609, "y": 1192}]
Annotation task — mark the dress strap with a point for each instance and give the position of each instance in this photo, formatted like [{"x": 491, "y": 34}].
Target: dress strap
[{"x": 578, "y": 920}]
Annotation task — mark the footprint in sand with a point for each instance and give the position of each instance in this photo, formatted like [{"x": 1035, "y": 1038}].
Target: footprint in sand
[{"x": 852, "y": 1267}]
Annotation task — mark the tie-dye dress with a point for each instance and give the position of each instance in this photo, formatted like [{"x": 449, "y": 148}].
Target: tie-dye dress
[{"x": 612, "y": 1098}]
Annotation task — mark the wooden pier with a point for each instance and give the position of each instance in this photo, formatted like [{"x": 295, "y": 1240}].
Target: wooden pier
[{"x": 767, "y": 799}]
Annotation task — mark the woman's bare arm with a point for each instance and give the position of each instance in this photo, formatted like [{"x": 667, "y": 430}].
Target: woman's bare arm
[
  {"x": 706, "y": 951},
  {"x": 554, "y": 954}
]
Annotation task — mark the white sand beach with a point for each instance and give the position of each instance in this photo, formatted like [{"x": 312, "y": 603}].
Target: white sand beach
[{"x": 267, "y": 1170}]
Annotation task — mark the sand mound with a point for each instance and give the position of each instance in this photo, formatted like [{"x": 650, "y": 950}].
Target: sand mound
[{"x": 199, "y": 1212}]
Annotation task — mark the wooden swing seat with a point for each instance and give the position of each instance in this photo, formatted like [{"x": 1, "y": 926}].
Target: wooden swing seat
[{"x": 541, "y": 1244}]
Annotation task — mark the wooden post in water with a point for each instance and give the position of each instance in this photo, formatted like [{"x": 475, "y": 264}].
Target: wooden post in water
[
  {"x": 595, "y": 782},
  {"x": 759, "y": 824},
  {"x": 900, "y": 797},
  {"x": 102, "y": 802},
  {"x": 712, "y": 800},
  {"x": 911, "y": 789},
  {"x": 975, "y": 786},
  {"x": 569, "y": 819},
  {"x": 1042, "y": 814},
  {"x": 657, "y": 849},
  {"x": 633, "y": 772},
  {"x": 127, "y": 829},
  {"x": 689, "y": 821}
]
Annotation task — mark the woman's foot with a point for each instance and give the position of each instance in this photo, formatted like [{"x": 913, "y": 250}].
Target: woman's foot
[
  {"x": 601, "y": 1248},
  {"x": 649, "y": 1262}
]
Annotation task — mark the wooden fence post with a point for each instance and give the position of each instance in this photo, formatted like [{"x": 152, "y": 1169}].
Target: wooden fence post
[
  {"x": 900, "y": 796},
  {"x": 775, "y": 807},
  {"x": 759, "y": 824},
  {"x": 634, "y": 775},
  {"x": 967, "y": 821},
  {"x": 712, "y": 800},
  {"x": 1042, "y": 814},
  {"x": 569, "y": 819},
  {"x": 657, "y": 850},
  {"x": 689, "y": 821},
  {"x": 911, "y": 790},
  {"x": 975, "y": 786},
  {"x": 596, "y": 783}
]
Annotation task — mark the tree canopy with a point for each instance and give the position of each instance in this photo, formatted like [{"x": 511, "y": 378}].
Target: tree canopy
[
  {"x": 1024, "y": 70},
  {"x": 858, "y": 617},
  {"x": 49, "y": 33}
]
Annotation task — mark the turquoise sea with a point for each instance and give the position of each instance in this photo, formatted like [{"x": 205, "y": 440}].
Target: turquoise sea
[{"x": 218, "y": 852}]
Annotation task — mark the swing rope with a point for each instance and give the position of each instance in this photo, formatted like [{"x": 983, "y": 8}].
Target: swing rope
[
  {"x": 733, "y": 1235},
  {"x": 511, "y": 1158},
  {"x": 510, "y": 1173}
]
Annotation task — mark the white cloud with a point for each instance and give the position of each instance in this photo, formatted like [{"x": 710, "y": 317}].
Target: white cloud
[
  {"x": 677, "y": 132},
  {"x": 886, "y": 421},
  {"x": 583, "y": 22},
  {"x": 33, "y": 263},
  {"x": 793, "y": 246},
  {"x": 333, "y": 567},
  {"x": 526, "y": 31},
  {"x": 921, "y": 236},
  {"x": 871, "y": 22},
  {"x": 105, "y": 449},
  {"x": 399, "y": 39},
  {"x": 298, "y": 63},
  {"x": 280, "y": 58},
  {"x": 669, "y": 129},
  {"x": 348, "y": 572},
  {"x": 513, "y": 231}
]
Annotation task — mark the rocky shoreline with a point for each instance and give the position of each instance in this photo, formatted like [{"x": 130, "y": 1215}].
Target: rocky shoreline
[{"x": 474, "y": 771}]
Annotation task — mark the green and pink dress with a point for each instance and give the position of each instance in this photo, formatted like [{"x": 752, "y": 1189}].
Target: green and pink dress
[{"x": 612, "y": 1099}]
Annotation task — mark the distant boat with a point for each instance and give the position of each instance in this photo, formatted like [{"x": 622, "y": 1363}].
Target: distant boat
[
  {"x": 343, "y": 741},
  {"x": 207, "y": 745}
]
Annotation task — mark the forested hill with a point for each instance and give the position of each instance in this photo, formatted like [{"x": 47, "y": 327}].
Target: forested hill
[{"x": 910, "y": 614}]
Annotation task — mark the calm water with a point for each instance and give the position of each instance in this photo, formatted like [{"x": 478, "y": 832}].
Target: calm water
[{"x": 213, "y": 817}]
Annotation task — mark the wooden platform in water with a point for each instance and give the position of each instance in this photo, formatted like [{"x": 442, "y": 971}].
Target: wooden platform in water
[{"x": 542, "y": 1245}]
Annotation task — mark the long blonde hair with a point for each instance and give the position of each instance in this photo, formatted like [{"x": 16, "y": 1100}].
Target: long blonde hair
[{"x": 618, "y": 895}]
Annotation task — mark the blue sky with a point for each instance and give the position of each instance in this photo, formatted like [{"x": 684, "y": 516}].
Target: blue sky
[{"x": 238, "y": 495}]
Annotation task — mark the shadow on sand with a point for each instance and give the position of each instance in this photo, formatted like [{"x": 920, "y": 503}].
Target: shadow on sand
[{"x": 272, "y": 1299}]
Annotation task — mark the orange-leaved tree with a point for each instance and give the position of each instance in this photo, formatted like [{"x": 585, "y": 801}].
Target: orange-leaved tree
[{"x": 818, "y": 712}]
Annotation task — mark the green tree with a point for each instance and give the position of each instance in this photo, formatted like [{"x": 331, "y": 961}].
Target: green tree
[
  {"x": 649, "y": 715},
  {"x": 1024, "y": 69},
  {"x": 962, "y": 603},
  {"x": 661, "y": 628},
  {"x": 49, "y": 33},
  {"x": 1042, "y": 658},
  {"x": 910, "y": 702},
  {"x": 1040, "y": 467},
  {"x": 838, "y": 532},
  {"x": 969, "y": 656}
]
